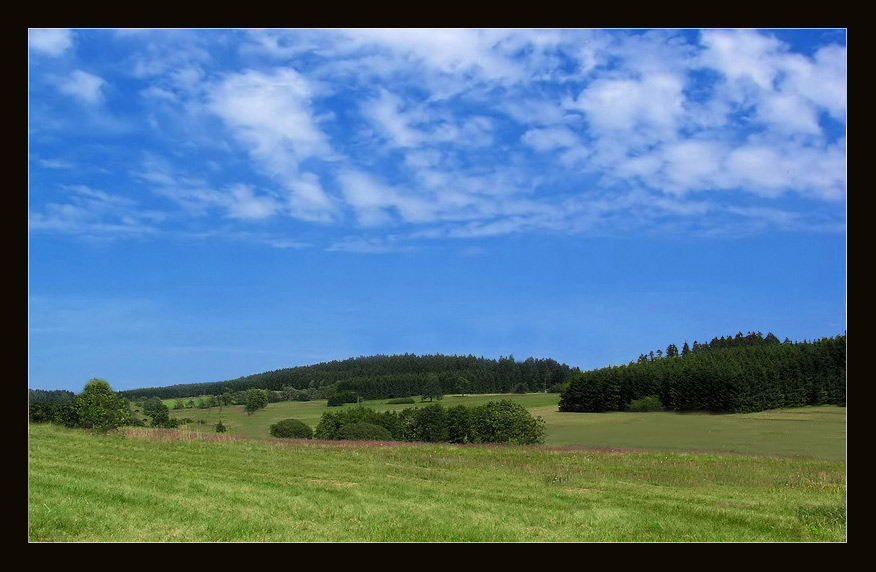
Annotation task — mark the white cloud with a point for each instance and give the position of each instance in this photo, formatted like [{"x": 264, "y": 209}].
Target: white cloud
[
  {"x": 759, "y": 166},
  {"x": 53, "y": 42},
  {"x": 742, "y": 56},
  {"x": 455, "y": 52},
  {"x": 370, "y": 199},
  {"x": 368, "y": 246},
  {"x": 244, "y": 204},
  {"x": 416, "y": 124},
  {"x": 155, "y": 92},
  {"x": 84, "y": 86},
  {"x": 790, "y": 113},
  {"x": 822, "y": 81},
  {"x": 270, "y": 114},
  {"x": 434, "y": 130},
  {"x": 785, "y": 89},
  {"x": 56, "y": 163},
  {"x": 550, "y": 138},
  {"x": 94, "y": 212},
  {"x": 692, "y": 165},
  {"x": 385, "y": 113},
  {"x": 652, "y": 102}
]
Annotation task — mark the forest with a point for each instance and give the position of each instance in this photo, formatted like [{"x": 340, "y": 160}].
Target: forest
[
  {"x": 739, "y": 374},
  {"x": 387, "y": 377}
]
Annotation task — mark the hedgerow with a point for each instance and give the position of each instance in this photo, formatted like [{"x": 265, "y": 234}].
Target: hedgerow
[{"x": 495, "y": 422}]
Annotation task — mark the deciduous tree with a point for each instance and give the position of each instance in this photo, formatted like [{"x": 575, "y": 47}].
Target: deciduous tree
[
  {"x": 256, "y": 399},
  {"x": 99, "y": 408}
]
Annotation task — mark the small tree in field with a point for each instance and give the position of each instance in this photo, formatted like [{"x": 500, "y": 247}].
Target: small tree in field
[
  {"x": 256, "y": 399},
  {"x": 99, "y": 408},
  {"x": 432, "y": 389},
  {"x": 220, "y": 428}
]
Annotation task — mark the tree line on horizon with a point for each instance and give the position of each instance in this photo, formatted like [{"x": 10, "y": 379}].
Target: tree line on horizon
[
  {"x": 739, "y": 374},
  {"x": 386, "y": 377}
]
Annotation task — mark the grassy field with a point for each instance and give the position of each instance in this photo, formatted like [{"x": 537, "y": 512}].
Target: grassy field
[
  {"x": 809, "y": 431},
  {"x": 159, "y": 485},
  {"x": 774, "y": 476}
]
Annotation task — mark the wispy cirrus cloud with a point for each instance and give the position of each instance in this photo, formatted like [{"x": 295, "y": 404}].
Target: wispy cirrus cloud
[
  {"x": 86, "y": 211},
  {"x": 369, "y": 245},
  {"x": 465, "y": 133},
  {"x": 196, "y": 195}
]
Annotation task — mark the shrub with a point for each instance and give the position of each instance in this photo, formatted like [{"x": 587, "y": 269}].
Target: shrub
[
  {"x": 427, "y": 424},
  {"x": 520, "y": 388},
  {"x": 400, "y": 400},
  {"x": 459, "y": 424},
  {"x": 341, "y": 397},
  {"x": 650, "y": 403},
  {"x": 289, "y": 393},
  {"x": 362, "y": 431},
  {"x": 220, "y": 428},
  {"x": 292, "y": 429},
  {"x": 331, "y": 423},
  {"x": 506, "y": 422},
  {"x": 49, "y": 412},
  {"x": 558, "y": 388}
]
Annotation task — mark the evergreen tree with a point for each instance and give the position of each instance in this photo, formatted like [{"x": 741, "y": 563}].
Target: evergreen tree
[{"x": 747, "y": 374}]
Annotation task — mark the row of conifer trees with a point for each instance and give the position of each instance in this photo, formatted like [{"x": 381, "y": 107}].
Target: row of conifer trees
[
  {"x": 382, "y": 377},
  {"x": 727, "y": 376}
]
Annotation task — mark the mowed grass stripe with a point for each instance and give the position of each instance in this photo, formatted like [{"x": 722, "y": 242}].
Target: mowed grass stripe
[{"x": 110, "y": 488}]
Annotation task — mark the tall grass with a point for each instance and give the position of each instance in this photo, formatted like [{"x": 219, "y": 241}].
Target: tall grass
[{"x": 149, "y": 485}]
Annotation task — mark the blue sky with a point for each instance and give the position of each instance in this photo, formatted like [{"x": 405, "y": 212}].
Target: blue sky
[{"x": 207, "y": 204}]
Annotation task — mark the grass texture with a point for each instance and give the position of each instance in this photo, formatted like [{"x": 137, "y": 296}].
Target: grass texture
[{"x": 147, "y": 485}]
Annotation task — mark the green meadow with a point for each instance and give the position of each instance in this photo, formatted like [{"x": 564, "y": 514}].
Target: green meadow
[
  {"x": 808, "y": 431},
  {"x": 775, "y": 476}
]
